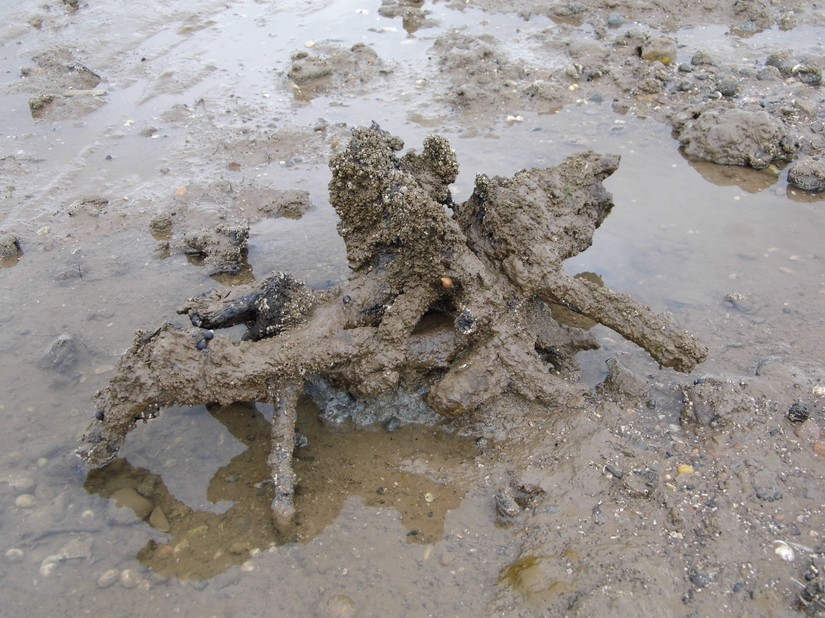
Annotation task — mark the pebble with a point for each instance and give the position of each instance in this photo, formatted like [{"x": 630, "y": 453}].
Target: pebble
[
  {"x": 727, "y": 86},
  {"x": 14, "y": 555},
  {"x": 684, "y": 469},
  {"x": 339, "y": 606},
  {"x": 659, "y": 49},
  {"x": 807, "y": 430},
  {"x": 108, "y": 578},
  {"x": 798, "y": 412},
  {"x": 21, "y": 483},
  {"x": 158, "y": 520},
  {"x": 819, "y": 448},
  {"x": 25, "y": 501},
  {"x": 614, "y": 20},
  {"x": 129, "y": 579},
  {"x": 447, "y": 558},
  {"x": 129, "y": 498}
]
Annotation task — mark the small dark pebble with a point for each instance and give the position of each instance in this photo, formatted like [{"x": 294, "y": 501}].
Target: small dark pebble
[
  {"x": 202, "y": 344},
  {"x": 99, "y": 415},
  {"x": 700, "y": 579},
  {"x": 301, "y": 441},
  {"x": 208, "y": 334},
  {"x": 412, "y": 533},
  {"x": 109, "y": 157},
  {"x": 770, "y": 494},
  {"x": 466, "y": 323},
  {"x": 196, "y": 320},
  {"x": 381, "y": 491},
  {"x": 793, "y": 529},
  {"x": 614, "y": 471},
  {"x": 798, "y": 412},
  {"x": 738, "y": 586},
  {"x": 347, "y": 299}
]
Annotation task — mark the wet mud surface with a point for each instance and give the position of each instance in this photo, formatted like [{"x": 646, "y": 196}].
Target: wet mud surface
[{"x": 151, "y": 156}]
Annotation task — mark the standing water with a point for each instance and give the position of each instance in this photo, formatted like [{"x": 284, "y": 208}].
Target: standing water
[{"x": 116, "y": 116}]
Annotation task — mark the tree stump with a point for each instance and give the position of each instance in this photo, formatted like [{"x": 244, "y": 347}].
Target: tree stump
[{"x": 453, "y": 303}]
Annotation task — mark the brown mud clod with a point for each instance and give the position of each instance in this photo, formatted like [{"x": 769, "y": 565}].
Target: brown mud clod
[{"x": 450, "y": 302}]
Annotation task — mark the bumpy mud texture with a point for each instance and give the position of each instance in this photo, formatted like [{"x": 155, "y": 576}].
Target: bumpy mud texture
[{"x": 451, "y": 301}]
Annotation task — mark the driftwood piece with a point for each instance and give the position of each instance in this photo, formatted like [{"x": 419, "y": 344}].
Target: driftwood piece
[{"x": 454, "y": 301}]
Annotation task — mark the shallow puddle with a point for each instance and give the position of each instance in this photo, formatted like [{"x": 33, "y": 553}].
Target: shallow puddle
[{"x": 198, "y": 110}]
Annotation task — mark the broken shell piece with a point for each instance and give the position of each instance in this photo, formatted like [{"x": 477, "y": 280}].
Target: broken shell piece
[
  {"x": 48, "y": 565},
  {"x": 784, "y": 551}
]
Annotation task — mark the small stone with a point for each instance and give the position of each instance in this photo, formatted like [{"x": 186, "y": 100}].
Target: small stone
[
  {"x": 659, "y": 49},
  {"x": 158, "y": 520},
  {"x": 808, "y": 431},
  {"x": 14, "y": 555},
  {"x": 129, "y": 579},
  {"x": 108, "y": 578},
  {"x": 9, "y": 246},
  {"x": 703, "y": 58},
  {"x": 798, "y": 412},
  {"x": 768, "y": 493},
  {"x": 62, "y": 354},
  {"x": 819, "y": 448},
  {"x": 240, "y": 548},
  {"x": 701, "y": 579},
  {"x": 808, "y": 74},
  {"x": 727, "y": 86},
  {"x": 808, "y": 174},
  {"x": 339, "y": 606},
  {"x": 684, "y": 469},
  {"x": 129, "y": 498},
  {"x": 447, "y": 558},
  {"x": 25, "y": 501},
  {"x": 21, "y": 483},
  {"x": 782, "y": 60},
  {"x": 615, "y": 20},
  {"x": 769, "y": 74},
  {"x": 506, "y": 505}
]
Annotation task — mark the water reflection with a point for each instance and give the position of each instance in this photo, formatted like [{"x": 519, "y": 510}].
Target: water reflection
[
  {"x": 746, "y": 178},
  {"x": 404, "y": 470}
]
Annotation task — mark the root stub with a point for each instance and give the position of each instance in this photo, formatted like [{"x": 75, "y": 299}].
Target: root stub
[{"x": 453, "y": 302}]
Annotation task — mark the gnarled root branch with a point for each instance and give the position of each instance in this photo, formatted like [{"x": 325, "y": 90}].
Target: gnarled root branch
[{"x": 449, "y": 300}]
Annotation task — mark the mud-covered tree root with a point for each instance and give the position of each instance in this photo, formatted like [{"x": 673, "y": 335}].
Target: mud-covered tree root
[{"x": 455, "y": 301}]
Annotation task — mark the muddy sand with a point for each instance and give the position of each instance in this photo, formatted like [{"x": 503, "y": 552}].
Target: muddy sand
[{"x": 153, "y": 156}]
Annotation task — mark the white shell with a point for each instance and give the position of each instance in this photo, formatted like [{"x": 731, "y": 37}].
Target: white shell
[{"x": 784, "y": 551}]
